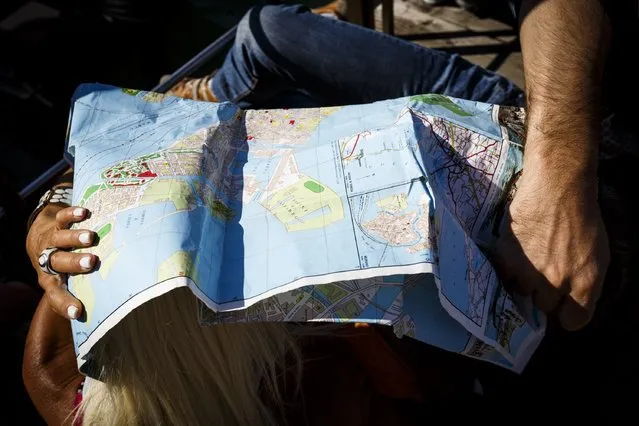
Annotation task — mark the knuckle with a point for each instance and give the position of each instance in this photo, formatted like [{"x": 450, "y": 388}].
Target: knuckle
[
  {"x": 53, "y": 299},
  {"x": 54, "y": 240},
  {"x": 61, "y": 215},
  {"x": 39, "y": 236},
  {"x": 59, "y": 261},
  {"x": 593, "y": 274},
  {"x": 583, "y": 295},
  {"x": 32, "y": 245},
  {"x": 44, "y": 283},
  {"x": 71, "y": 260},
  {"x": 49, "y": 283},
  {"x": 554, "y": 276}
]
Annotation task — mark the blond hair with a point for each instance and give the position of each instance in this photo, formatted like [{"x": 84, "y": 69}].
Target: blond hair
[{"x": 159, "y": 366}]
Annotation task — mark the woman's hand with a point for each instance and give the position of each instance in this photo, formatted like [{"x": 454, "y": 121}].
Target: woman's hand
[{"x": 51, "y": 229}]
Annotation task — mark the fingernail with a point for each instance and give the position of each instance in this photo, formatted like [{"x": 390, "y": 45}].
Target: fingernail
[
  {"x": 72, "y": 312},
  {"x": 78, "y": 212},
  {"x": 85, "y": 262},
  {"x": 85, "y": 238}
]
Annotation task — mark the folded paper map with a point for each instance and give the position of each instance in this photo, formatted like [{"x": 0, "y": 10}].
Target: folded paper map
[{"x": 381, "y": 213}]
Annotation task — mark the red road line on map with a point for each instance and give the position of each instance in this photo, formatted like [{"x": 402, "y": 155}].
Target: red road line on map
[
  {"x": 455, "y": 161},
  {"x": 355, "y": 146}
]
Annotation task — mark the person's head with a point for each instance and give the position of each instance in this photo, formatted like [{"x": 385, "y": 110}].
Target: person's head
[{"x": 159, "y": 366}]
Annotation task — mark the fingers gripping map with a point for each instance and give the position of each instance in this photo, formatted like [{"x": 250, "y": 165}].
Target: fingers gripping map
[{"x": 378, "y": 213}]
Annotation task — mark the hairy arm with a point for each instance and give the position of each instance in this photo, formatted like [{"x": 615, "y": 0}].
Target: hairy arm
[
  {"x": 555, "y": 247},
  {"x": 563, "y": 47}
]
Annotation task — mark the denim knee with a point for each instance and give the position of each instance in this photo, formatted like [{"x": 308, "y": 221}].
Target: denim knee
[{"x": 266, "y": 20}]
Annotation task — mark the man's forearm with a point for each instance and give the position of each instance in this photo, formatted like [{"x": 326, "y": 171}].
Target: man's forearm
[{"x": 563, "y": 46}]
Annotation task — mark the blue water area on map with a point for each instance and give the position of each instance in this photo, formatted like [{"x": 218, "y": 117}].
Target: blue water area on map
[
  {"x": 380, "y": 303},
  {"x": 381, "y": 158},
  {"x": 433, "y": 324},
  {"x": 139, "y": 241},
  {"x": 321, "y": 163},
  {"x": 353, "y": 119},
  {"x": 206, "y": 238},
  {"x": 248, "y": 269},
  {"x": 453, "y": 263}
]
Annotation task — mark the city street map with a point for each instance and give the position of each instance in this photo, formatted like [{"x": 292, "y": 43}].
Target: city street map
[{"x": 381, "y": 213}]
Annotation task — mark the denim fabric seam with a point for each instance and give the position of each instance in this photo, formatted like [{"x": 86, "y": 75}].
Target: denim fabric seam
[{"x": 249, "y": 90}]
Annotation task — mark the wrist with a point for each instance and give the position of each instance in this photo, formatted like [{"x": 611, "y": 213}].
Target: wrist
[
  {"x": 60, "y": 195},
  {"x": 563, "y": 167},
  {"x": 566, "y": 144},
  {"x": 49, "y": 211},
  {"x": 563, "y": 181},
  {"x": 556, "y": 116},
  {"x": 559, "y": 167}
]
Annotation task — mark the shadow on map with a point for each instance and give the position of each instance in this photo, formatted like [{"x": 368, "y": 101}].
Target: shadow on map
[
  {"x": 462, "y": 189},
  {"x": 224, "y": 156}
]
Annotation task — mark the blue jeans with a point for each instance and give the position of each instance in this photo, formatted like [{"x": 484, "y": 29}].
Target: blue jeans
[{"x": 286, "y": 56}]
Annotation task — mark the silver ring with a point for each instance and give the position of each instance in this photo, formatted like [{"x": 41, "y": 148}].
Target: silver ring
[{"x": 44, "y": 260}]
